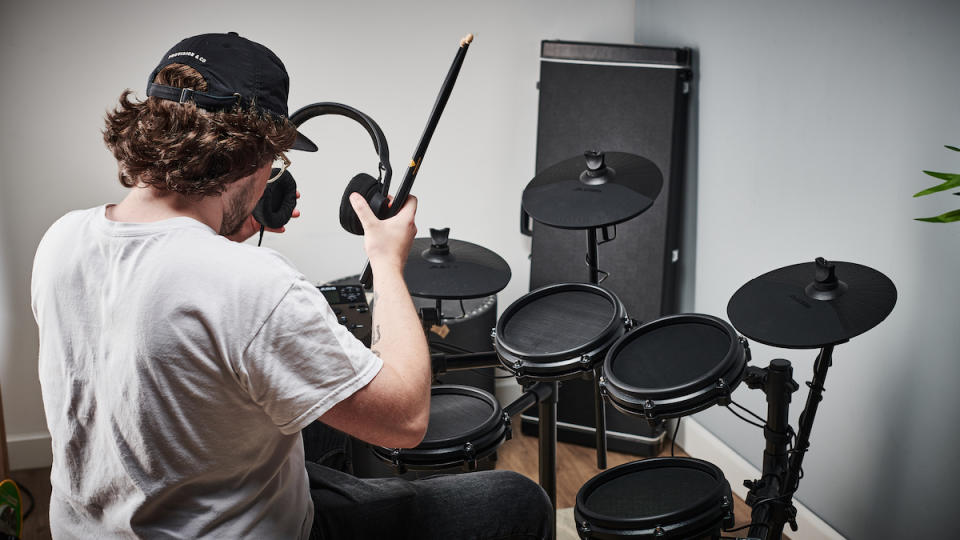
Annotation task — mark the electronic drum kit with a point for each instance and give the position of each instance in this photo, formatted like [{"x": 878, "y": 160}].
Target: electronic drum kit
[{"x": 667, "y": 368}]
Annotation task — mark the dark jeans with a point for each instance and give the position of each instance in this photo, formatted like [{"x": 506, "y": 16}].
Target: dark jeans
[{"x": 479, "y": 505}]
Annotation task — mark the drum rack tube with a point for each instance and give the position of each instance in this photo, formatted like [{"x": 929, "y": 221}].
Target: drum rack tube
[
  {"x": 544, "y": 394},
  {"x": 442, "y": 363},
  {"x": 530, "y": 397},
  {"x": 600, "y": 411},
  {"x": 771, "y": 497},
  {"x": 769, "y": 508}
]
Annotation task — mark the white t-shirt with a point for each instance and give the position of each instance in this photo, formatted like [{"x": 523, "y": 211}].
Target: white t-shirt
[{"x": 177, "y": 370}]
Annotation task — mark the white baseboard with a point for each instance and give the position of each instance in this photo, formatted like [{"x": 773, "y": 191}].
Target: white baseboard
[
  {"x": 29, "y": 451},
  {"x": 697, "y": 441}
]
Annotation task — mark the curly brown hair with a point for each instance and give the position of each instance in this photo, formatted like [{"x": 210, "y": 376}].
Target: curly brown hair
[{"x": 182, "y": 148}]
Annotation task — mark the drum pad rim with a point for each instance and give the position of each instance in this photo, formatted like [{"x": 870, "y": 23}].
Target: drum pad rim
[
  {"x": 698, "y": 509},
  {"x": 489, "y": 424},
  {"x": 732, "y": 356},
  {"x": 504, "y": 348}
]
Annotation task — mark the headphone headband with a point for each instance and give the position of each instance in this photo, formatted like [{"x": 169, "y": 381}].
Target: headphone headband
[{"x": 376, "y": 134}]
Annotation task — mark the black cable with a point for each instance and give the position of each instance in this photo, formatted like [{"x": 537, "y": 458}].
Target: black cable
[
  {"x": 771, "y": 499},
  {"x": 586, "y": 260},
  {"x": 751, "y": 422},
  {"x": 751, "y": 413},
  {"x": 673, "y": 439},
  {"x": 260, "y": 241},
  {"x": 791, "y": 436}
]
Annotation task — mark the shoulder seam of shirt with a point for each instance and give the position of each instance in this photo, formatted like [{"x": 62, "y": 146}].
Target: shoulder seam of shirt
[{"x": 263, "y": 323}]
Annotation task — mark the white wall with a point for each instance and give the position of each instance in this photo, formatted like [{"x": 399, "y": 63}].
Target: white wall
[
  {"x": 815, "y": 121},
  {"x": 64, "y": 63}
]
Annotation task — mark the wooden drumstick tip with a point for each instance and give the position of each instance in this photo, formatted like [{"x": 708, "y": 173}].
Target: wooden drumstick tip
[{"x": 466, "y": 40}]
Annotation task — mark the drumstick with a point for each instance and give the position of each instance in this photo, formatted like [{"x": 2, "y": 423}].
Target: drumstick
[
  {"x": 414, "y": 167},
  {"x": 366, "y": 277}
]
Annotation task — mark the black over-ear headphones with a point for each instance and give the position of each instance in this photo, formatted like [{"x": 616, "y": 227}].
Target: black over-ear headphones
[
  {"x": 276, "y": 205},
  {"x": 374, "y": 190}
]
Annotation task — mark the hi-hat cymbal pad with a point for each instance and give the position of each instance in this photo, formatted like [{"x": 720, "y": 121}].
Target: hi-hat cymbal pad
[
  {"x": 812, "y": 305},
  {"x": 443, "y": 268},
  {"x": 594, "y": 190}
]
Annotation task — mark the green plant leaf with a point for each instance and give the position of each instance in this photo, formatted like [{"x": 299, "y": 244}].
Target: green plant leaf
[
  {"x": 950, "y": 181},
  {"x": 943, "y": 218},
  {"x": 954, "y": 148},
  {"x": 942, "y": 175}
]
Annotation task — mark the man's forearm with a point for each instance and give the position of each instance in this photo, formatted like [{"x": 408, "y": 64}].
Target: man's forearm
[{"x": 397, "y": 335}]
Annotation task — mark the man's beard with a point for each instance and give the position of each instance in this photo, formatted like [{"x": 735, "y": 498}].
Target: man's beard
[{"x": 237, "y": 210}]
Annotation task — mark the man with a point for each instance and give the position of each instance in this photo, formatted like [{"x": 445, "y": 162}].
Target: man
[{"x": 178, "y": 366}]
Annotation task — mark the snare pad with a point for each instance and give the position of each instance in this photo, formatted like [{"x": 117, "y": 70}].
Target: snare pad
[
  {"x": 466, "y": 425},
  {"x": 559, "y": 331}
]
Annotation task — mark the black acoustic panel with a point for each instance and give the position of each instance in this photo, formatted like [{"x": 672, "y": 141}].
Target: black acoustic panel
[
  {"x": 626, "y": 109},
  {"x": 614, "y": 98}
]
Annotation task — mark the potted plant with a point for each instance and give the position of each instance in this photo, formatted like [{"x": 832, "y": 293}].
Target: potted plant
[{"x": 950, "y": 181}]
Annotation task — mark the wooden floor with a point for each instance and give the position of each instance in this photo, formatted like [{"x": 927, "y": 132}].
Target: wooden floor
[
  {"x": 37, "y": 482},
  {"x": 577, "y": 464}
]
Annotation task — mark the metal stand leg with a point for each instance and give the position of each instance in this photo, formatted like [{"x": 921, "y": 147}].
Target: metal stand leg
[
  {"x": 600, "y": 416},
  {"x": 548, "y": 447}
]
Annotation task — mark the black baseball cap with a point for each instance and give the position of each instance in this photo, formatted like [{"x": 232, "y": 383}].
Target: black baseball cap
[{"x": 238, "y": 72}]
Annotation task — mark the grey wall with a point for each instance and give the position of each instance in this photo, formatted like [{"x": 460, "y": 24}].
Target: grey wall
[
  {"x": 64, "y": 63},
  {"x": 815, "y": 121}
]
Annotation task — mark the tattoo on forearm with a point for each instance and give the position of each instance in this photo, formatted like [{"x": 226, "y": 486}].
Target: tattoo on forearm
[
  {"x": 376, "y": 335},
  {"x": 376, "y": 352}
]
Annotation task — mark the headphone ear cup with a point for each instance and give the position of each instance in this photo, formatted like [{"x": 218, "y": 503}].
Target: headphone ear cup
[
  {"x": 276, "y": 205},
  {"x": 367, "y": 186}
]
